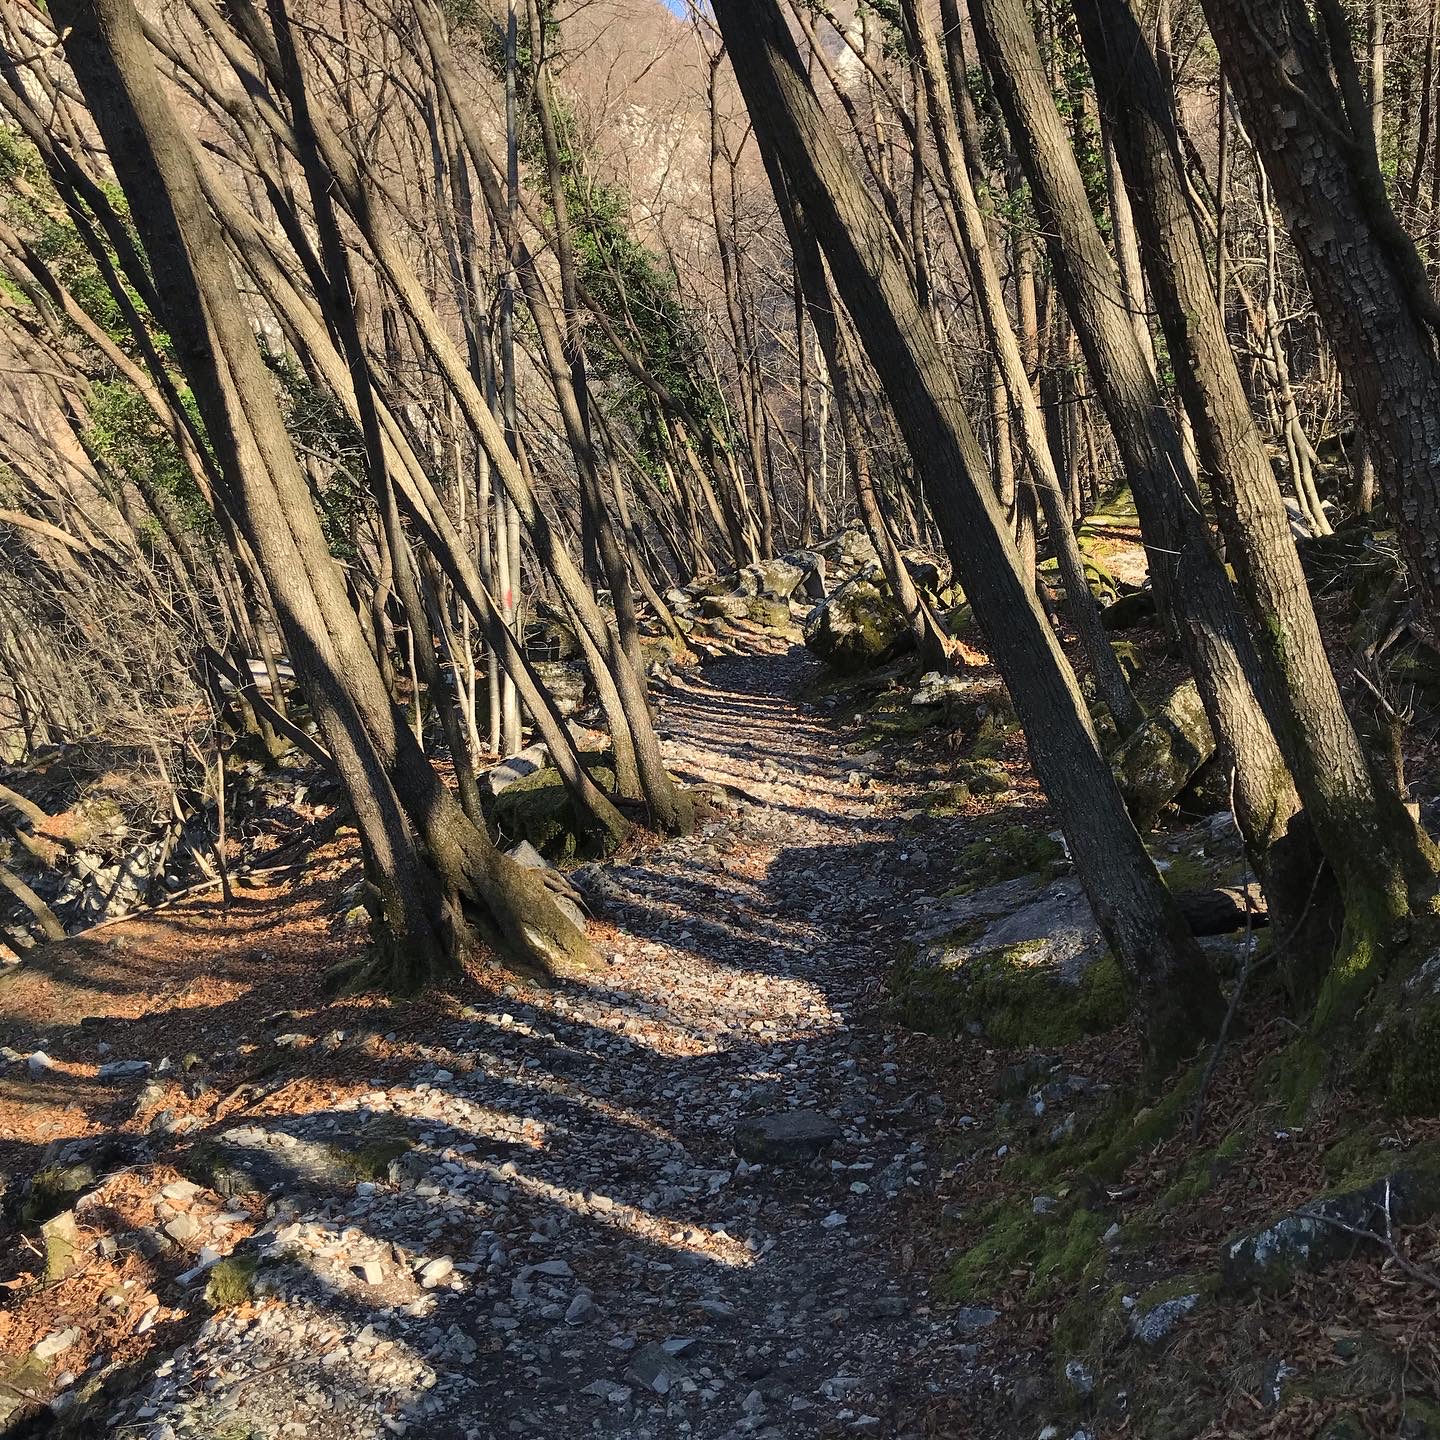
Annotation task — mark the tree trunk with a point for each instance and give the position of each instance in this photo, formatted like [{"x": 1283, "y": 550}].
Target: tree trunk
[
  {"x": 1364, "y": 273},
  {"x": 1365, "y": 832},
  {"x": 1189, "y": 580},
  {"x": 1179, "y": 998}
]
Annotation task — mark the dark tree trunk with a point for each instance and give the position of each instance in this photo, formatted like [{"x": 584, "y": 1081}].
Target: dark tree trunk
[
  {"x": 1364, "y": 272},
  {"x": 1179, "y": 998}
]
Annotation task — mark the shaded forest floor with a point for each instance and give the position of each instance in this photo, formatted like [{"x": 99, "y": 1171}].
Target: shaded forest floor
[{"x": 716, "y": 1189}]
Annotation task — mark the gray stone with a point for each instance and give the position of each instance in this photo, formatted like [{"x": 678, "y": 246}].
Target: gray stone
[
  {"x": 1155, "y": 1324},
  {"x": 527, "y": 855},
  {"x": 123, "y": 1069},
  {"x": 656, "y": 1369},
  {"x": 57, "y": 1342},
  {"x": 791, "y": 1137},
  {"x": 1057, "y": 930},
  {"x": 182, "y": 1228},
  {"x": 1329, "y": 1229},
  {"x": 434, "y": 1272},
  {"x": 971, "y": 1319}
]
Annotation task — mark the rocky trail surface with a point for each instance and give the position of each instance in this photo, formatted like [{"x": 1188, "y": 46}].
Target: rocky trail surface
[{"x": 671, "y": 1201}]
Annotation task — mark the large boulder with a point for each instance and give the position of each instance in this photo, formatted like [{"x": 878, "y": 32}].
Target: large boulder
[
  {"x": 1155, "y": 764},
  {"x": 858, "y": 627},
  {"x": 537, "y": 808},
  {"x": 776, "y": 579},
  {"x": 813, "y": 577}
]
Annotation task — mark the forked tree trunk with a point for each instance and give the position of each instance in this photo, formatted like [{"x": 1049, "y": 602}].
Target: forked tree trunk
[{"x": 1178, "y": 995}]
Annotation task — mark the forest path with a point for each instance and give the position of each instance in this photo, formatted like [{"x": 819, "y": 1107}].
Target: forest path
[{"x": 575, "y": 1248}]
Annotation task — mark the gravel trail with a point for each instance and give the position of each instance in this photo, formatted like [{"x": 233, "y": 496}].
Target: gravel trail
[{"x": 669, "y": 1202}]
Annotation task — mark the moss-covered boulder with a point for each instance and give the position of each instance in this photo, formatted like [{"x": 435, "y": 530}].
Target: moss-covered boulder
[
  {"x": 1039, "y": 975},
  {"x": 858, "y": 627},
  {"x": 1332, "y": 1227},
  {"x": 1131, "y": 607},
  {"x": 550, "y": 638},
  {"x": 770, "y": 613},
  {"x": 1157, "y": 762},
  {"x": 776, "y": 579},
  {"x": 537, "y": 808}
]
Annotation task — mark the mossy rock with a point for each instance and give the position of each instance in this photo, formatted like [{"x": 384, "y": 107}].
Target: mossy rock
[
  {"x": 857, "y": 628},
  {"x": 1156, "y": 763},
  {"x": 662, "y": 651},
  {"x": 54, "y": 1188},
  {"x": 1013, "y": 851},
  {"x": 771, "y": 613},
  {"x": 372, "y": 1161},
  {"x": 1132, "y": 660},
  {"x": 61, "y": 1237},
  {"x": 973, "y": 779},
  {"x": 1129, "y": 609},
  {"x": 537, "y": 808},
  {"x": 1402, "y": 1057},
  {"x": 1117, "y": 1135},
  {"x": 1015, "y": 1003},
  {"x": 549, "y": 638}
]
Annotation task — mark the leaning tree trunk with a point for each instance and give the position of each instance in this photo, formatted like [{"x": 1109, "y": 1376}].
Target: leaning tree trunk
[
  {"x": 426, "y": 859},
  {"x": 1179, "y": 997},
  {"x": 1368, "y": 837},
  {"x": 1364, "y": 273},
  {"x": 1187, "y": 574}
]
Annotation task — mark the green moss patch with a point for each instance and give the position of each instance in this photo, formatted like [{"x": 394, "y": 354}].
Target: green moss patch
[
  {"x": 1017, "y": 1003},
  {"x": 231, "y": 1281},
  {"x": 1006, "y": 854},
  {"x": 1054, "y": 1249},
  {"x": 537, "y": 808}
]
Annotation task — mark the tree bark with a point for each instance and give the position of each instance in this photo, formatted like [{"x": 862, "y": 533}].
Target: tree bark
[
  {"x": 1178, "y": 994},
  {"x": 1364, "y": 273}
]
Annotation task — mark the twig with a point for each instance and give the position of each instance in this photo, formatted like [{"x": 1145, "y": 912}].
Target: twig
[{"x": 1386, "y": 1241}]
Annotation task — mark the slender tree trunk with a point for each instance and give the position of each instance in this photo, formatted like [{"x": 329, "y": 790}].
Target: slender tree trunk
[{"x": 1015, "y": 382}]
